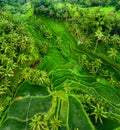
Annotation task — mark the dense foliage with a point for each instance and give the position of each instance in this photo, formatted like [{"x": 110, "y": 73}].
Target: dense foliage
[
  {"x": 59, "y": 66},
  {"x": 18, "y": 55},
  {"x": 89, "y": 3}
]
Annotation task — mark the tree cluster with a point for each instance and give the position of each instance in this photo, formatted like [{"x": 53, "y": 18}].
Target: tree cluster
[
  {"x": 91, "y": 3},
  {"x": 17, "y": 52}
]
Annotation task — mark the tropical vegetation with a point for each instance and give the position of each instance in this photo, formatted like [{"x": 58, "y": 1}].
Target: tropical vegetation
[{"x": 59, "y": 65}]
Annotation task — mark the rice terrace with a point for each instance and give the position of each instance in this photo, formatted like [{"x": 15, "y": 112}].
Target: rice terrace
[{"x": 59, "y": 65}]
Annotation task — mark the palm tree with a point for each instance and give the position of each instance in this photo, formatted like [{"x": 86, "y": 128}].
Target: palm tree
[
  {"x": 66, "y": 15},
  {"x": 4, "y": 58},
  {"x": 8, "y": 72},
  {"x": 99, "y": 36},
  {"x": 26, "y": 73},
  {"x": 58, "y": 15},
  {"x": 112, "y": 53},
  {"x": 42, "y": 9},
  {"x": 48, "y": 34},
  {"x": 58, "y": 39},
  {"x": 51, "y": 12},
  {"x": 5, "y": 47},
  {"x": 22, "y": 58},
  {"x": 115, "y": 38},
  {"x": 99, "y": 113},
  {"x": 3, "y": 89}
]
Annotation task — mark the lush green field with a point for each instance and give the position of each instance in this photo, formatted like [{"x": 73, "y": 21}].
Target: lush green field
[
  {"x": 71, "y": 81},
  {"x": 105, "y": 9}
]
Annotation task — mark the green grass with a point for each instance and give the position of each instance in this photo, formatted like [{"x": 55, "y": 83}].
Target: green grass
[
  {"x": 65, "y": 72},
  {"x": 73, "y": 8},
  {"x": 105, "y": 9}
]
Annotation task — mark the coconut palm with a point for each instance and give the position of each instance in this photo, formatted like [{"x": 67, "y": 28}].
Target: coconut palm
[
  {"x": 58, "y": 39},
  {"x": 99, "y": 35},
  {"x": 112, "y": 53},
  {"x": 22, "y": 58},
  {"x": 9, "y": 72}
]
